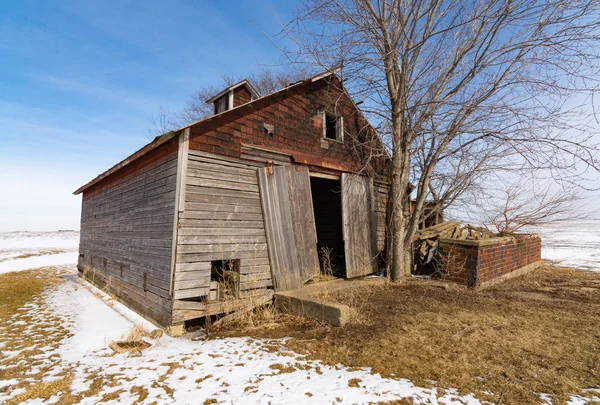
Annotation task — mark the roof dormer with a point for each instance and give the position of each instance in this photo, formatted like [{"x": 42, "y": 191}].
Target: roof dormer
[{"x": 233, "y": 96}]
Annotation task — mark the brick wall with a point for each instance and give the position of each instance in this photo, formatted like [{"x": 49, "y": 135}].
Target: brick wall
[
  {"x": 296, "y": 115},
  {"x": 475, "y": 263},
  {"x": 241, "y": 95}
]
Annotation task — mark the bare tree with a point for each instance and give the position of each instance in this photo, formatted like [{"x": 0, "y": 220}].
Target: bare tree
[
  {"x": 163, "y": 121},
  {"x": 464, "y": 88},
  {"x": 516, "y": 205}
]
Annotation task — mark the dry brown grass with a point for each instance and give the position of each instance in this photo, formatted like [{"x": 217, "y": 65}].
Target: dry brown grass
[
  {"x": 34, "y": 254},
  {"x": 16, "y": 290},
  {"x": 133, "y": 343},
  {"x": 27, "y": 287},
  {"x": 541, "y": 331}
]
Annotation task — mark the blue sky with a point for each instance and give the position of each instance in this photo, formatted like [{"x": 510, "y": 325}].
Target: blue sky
[{"x": 79, "y": 81}]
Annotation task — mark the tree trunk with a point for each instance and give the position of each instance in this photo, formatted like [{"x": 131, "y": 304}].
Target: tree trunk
[{"x": 399, "y": 221}]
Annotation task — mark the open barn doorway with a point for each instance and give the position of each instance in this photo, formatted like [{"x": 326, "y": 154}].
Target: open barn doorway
[{"x": 327, "y": 205}]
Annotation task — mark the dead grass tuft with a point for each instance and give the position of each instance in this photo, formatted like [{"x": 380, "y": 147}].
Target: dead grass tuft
[
  {"x": 283, "y": 369},
  {"x": 44, "y": 252},
  {"x": 134, "y": 342},
  {"x": 141, "y": 392}
]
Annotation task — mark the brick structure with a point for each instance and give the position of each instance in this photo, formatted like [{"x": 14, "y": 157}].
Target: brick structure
[
  {"x": 291, "y": 122},
  {"x": 483, "y": 262}
]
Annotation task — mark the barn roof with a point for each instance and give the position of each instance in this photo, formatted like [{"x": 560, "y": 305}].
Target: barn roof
[{"x": 159, "y": 140}]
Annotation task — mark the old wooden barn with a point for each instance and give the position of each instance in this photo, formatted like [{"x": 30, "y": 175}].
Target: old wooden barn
[{"x": 216, "y": 216}]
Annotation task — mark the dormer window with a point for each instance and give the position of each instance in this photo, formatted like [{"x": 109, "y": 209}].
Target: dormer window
[
  {"x": 333, "y": 127},
  {"x": 233, "y": 96},
  {"x": 222, "y": 104}
]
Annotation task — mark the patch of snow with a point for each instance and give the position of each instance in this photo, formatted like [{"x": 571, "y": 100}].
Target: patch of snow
[
  {"x": 571, "y": 243},
  {"x": 579, "y": 400},
  {"x": 8, "y": 383},
  {"x": 35, "y": 262}
]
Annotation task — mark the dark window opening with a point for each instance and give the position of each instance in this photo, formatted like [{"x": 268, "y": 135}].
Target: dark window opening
[
  {"x": 224, "y": 278},
  {"x": 331, "y": 127},
  {"x": 327, "y": 205},
  {"x": 222, "y": 104}
]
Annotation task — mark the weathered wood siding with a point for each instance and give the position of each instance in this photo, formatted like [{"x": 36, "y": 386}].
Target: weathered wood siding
[
  {"x": 290, "y": 225},
  {"x": 358, "y": 225},
  {"x": 127, "y": 233},
  {"x": 221, "y": 219}
]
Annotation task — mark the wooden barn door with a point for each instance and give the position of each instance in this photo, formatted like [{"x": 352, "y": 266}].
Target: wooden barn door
[
  {"x": 290, "y": 225},
  {"x": 357, "y": 215}
]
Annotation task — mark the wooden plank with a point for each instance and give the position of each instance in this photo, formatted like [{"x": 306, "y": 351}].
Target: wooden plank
[
  {"x": 227, "y": 198},
  {"x": 224, "y": 255},
  {"x": 303, "y": 221},
  {"x": 220, "y": 224},
  {"x": 246, "y": 171},
  {"x": 229, "y": 193},
  {"x": 187, "y": 231},
  {"x": 265, "y": 275},
  {"x": 254, "y": 284},
  {"x": 241, "y": 247},
  {"x": 228, "y": 185},
  {"x": 360, "y": 246},
  {"x": 191, "y": 293},
  {"x": 225, "y": 216},
  {"x": 223, "y": 175},
  {"x": 193, "y": 283},
  {"x": 197, "y": 266},
  {"x": 216, "y": 240},
  {"x": 254, "y": 268},
  {"x": 230, "y": 207},
  {"x": 193, "y": 275}
]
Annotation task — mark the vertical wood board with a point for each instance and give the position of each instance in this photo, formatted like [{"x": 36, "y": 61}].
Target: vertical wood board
[{"x": 358, "y": 225}]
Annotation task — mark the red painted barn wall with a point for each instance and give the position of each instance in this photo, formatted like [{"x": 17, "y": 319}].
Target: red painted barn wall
[
  {"x": 241, "y": 95},
  {"x": 296, "y": 115}
]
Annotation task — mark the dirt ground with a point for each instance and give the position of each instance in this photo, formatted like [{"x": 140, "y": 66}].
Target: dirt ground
[{"x": 536, "y": 334}]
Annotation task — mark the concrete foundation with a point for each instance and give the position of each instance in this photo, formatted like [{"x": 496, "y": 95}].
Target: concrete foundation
[{"x": 312, "y": 301}]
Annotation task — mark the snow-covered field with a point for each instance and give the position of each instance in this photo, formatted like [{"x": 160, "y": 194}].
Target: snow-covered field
[
  {"x": 571, "y": 243},
  {"x": 78, "y": 323},
  {"x": 30, "y": 250}
]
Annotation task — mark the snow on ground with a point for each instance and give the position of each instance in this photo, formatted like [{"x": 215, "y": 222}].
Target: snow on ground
[
  {"x": 186, "y": 371},
  {"x": 38, "y": 261},
  {"x": 29, "y": 250},
  {"x": 571, "y": 243},
  {"x": 35, "y": 240}
]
